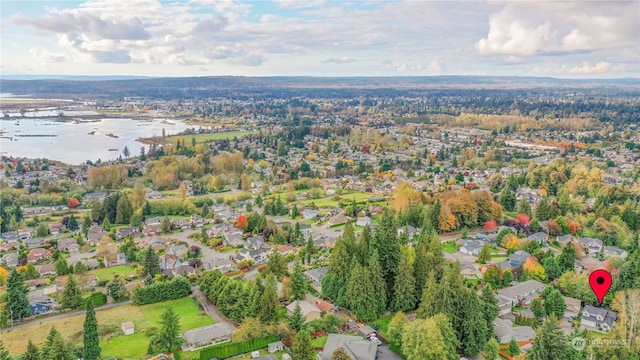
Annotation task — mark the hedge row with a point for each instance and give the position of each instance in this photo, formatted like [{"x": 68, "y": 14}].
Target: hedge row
[{"x": 162, "y": 291}]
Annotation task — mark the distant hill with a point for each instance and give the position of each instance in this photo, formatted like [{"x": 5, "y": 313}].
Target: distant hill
[
  {"x": 237, "y": 87},
  {"x": 72, "y": 77}
]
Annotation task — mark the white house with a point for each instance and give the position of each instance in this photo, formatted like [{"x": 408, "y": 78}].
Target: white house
[{"x": 128, "y": 328}]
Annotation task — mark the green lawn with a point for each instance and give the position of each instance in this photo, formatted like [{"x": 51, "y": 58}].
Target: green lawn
[
  {"x": 190, "y": 315},
  {"x": 319, "y": 341},
  {"x": 383, "y": 323},
  {"x": 499, "y": 258},
  {"x": 135, "y": 346},
  {"x": 107, "y": 273},
  {"x": 200, "y": 138},
  {"x": 449, "y": 247}
]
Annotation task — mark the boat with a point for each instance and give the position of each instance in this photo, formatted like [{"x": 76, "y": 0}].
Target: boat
[{"x": 91, "y": 132}]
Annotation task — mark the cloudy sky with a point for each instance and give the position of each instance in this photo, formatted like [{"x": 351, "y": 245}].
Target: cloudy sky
[{"x": 585, "y": 39}]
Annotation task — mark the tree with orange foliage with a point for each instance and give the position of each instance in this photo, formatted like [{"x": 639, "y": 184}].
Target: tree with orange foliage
[
  {"x": 511, "y": 243},
  {"x": 242, "y": 222},
  {"x": 523, "y": 219},
  {"x": 4, "y": 274},
  {"x": 535, "y": 270},
  {"x": 446, "y": 220},
  {"x": 73, "y": 203},
  {"x": 490, "y": 225}
]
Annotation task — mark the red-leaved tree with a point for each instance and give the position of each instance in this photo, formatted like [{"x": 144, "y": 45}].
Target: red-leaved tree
[
  {"x": 490, "y": 225},
  {"x": 73, "y": 203},
  {"x": 523, "y": 219},
  {"x": 242, "y": 222}
]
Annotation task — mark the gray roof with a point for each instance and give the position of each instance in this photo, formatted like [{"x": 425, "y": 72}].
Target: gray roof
[
  {"x": 318, "y": 273},
  {"x": 355, "y": 346},
  {"x": 523, "y": 289},
  {"x": 519, "y": 256},
  {"x": 505, "y": 331},
  {"x": 207, "y": 334}
]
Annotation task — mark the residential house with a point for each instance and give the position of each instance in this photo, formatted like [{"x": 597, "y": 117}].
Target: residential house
[
  {"x": 68, "y": 245},
  {"x": 127, "y": 231},
  {"x": 207, "y": 335},
  {"x": 233, "y": 239},
  {"x": 365, "y": 221},
  {"x": 179, "y": 251},
  {"x": 26, "y": 234},
  {"x": 9, "y": 236},
  {"x": 180, "y": 224},
  {"x": 338, "y": 219},
  {"x": 10, "y": 246},
  {"x": 518, "y": 258},
  {"x": 471, "y": 247},
  {"x": 169, "y": 262},
  {"x": 38, "y": 254},
  {"x": 306, "y": 230},
  {"x": 505, "y": 331},
  {"x": 504, "y": 304},
  {"x": 316, "y": 275},
  {"x": 614, "y": 251},
  {"x": 56, "y": 228},
  {"x": 573, "y": 307},
  {"x": 224, "y": 265},
  {"x": 309, "y": 214},
  {"x": 128, "y": 328},
  {"x": 522, "y": 293},
  {"x": 591, "y": 245},
  {"x": 10, "y": 260},
  {"x": 325, "y": 306},
  {"x": 539, "y": 237},
  {"x": 598, "y": 318},
  {"x": 34, "y": 242},
  {"x": 565, "y": 239},
  {"x": 309, "y": 310},
  {"x": 355, "y": 346},
  {"x": 115, "y": 259},
  {"x": 411, "y": 230},
  {"x": 182, "y": 270},
  {"x": 284, "y": 249},
  {"x": 46, "y": 269},
  {"x": 255, "y": 243},
  {"x": 468, "y": 270},
  {"x": 40, "y": 304},
  {"x": 96, "y": 232},
  {"x": 260, "y": 256},
  {"x": 92, "y": 263},
  {"x": 85, "y": 282},
  {"x": 275, "y": 347}
]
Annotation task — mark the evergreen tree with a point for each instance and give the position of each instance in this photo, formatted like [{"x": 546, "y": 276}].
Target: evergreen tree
[
  {"x": 91, "y": 350},
  {"x": 537, "y": 308},
  {"x": 396, "y": 328},
  {"x": 514, "y": 347},
  {"x": 73, "y": 223},
  {"x": 166, "y": 225},
  {"x": 524, "y": 207},
  {"x": 549, "y": 343},
  {"x": 71, "y": 296},
  {"x": 385, "y": 241},
  {"x": 435, "y": 256},
  {"x": 205, "y": 210},
  {"x": 296, "y": 321},
  {"x": 143, "y": 155},
  {"x": 167, "y": 337},
  {"x": 405, "y": 286},
  {"x": 474, "y": 326},
  {"x": 4, "y": 353},
  {"x": 117, "y": 289},
  {"x": 507, "y": 199},
  {"x": 360, "y": 293},
  {"x": 567, "y": 258},
  {"x": 302, "y": 349},
  {"x": 146, "y": 209},
  {"x": 150, "y": 263},
  {"x": 106, "y": 224},
  {"x": 124, "y": 210},
  {"x": 269, "y": 303},
  {"x": 56, "y": 348},
  {"x": 338, "y": 272},
  {"x": 491, "y": 349},
  {"x": 420, "y": 270},
  {"x": 62, "y": 268},
  {"x": 32, "y": 352},
  {"x": 485, "y": 254},
  {"x": 450, "y": 341},
  {"x": 86, "y": 225},
  {"x": 551, "y": 268},
  {"x": 490, "y": 307},
  {"x": 379, "y": 287},
  {"x": 17, "y": 212},
  {"x": 363, "y": 245},
  {"x": 277, "y": 265},
  {"x": 429, "y": 299},
  {"x": 554, "y": 304},
  {"x": 298, "y": 282},
  {"x": 17, "y": 303}
]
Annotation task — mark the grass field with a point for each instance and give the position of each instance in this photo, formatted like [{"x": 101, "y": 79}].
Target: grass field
[
  {"x": 107, "y": 273},
  {"x": 319, "y": 341},
  {"x": 383, "y": 323},
  {"x": 113, "y": 343},
  {"x": 449, "y": 247},
  {"x": 200, "y": 138}
]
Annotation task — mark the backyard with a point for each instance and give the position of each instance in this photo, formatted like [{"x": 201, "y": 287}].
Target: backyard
[
  {"x": 122, "y": 271},
  {"x": 113, "y": 343}
]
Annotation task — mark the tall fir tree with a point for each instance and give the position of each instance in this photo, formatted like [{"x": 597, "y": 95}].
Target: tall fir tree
[
  {"x": 363, "y": 245},
  {"x": 549, "y": 343},
  {"x": 405, "y": 285},
  {"x": 429, "y": 299},
  {"x": 17, "y": 303},
  {"x": 32, "y": 353},
  {"x": 379, "y": 286},
  {"x": 302, "y": 349},
  {"x": 298, "y": 282},
  {"x": 56, "y": 348},
  {"x": 71, "y": 296},
  {"x": 474, "y": 327},
  {"x": 296, "y": 321},
  {"x": 385, "y": 241},
  {"x": 420, "y": 270},
  {"x": 150, "y": 263},
  {"x": 360, "y": 293},
  {"x": 269, "y": 303},
  {"x": 73, "y": 223},
  {"x": 489, "y": 304},
  {"x": 91, "y": 347},
  {"x": 168, "y": 335}
]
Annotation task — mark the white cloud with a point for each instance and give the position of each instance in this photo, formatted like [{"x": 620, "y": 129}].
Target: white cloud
[
  {"x": 340, "y": 60},
  {"x": 586, "y": 68},
  {"x": 434, "y": 66}
]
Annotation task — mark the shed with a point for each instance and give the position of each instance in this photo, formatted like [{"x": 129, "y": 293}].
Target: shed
[
  {"x": 366, "y": 331},
  {"x": 128, "y": 328},
  {"x": 286, "y": 357},
  {"x": 275, "y": 346}
]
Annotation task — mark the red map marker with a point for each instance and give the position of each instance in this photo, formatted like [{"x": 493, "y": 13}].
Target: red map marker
[{"x": 600, "y": 282}]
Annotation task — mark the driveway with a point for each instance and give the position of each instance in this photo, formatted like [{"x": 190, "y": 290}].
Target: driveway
[
  {"x": 211, "y": 309},
  {"x": 385, "y": 353}
]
